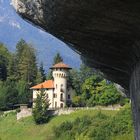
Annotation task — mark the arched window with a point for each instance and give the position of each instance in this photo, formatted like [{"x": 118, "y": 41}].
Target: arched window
[
  {"x": 55, "y": 104},
  {"x": 69, "y": 97},
  {"x": 61, "y": 88},
  {"x": 47, "y": 96},
  {"x": 61, "y": 97},
  {"x": 61, "y": 105}
]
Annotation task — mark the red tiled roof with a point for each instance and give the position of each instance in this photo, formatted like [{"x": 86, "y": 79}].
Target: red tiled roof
[
  {"x": 47, "y": 84},
  {"x": 60, "y": 65}
]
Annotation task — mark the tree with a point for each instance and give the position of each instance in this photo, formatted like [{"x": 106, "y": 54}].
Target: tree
[
  {"x": 12, "y": 68},
  {"x": 4, "y": 60},
  {"x": 26, "y": 62},
  {"x": 8, "y": 95},
  {"x": 97, "y": 91},
  {"x": 49, "y": 75},
  {"x": 41, "y": 76},
  {"x": 23, "y": 92},
  {"x": 57, "y": 59},
  {"x": 78, "y": 77},
  {"x": 42, "y": 72},
  {"x": 40, "y": 109},
  {"x": 20, "y": 47}
]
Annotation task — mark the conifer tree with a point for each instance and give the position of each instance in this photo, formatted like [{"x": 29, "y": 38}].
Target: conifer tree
[
  {"x": 40, "y": 109},
  {"x": 4, "y": 60},
  {"x": 42, "y": 71},
  {"x": 57, "y": 59},
  {"x": 26, "y": 62}
]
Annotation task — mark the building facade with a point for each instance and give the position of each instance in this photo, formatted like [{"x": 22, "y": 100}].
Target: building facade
[{"x": 56, "y": 90}]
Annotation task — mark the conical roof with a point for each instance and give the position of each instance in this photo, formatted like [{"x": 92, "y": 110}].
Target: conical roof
[{"x": 60, "y": 65}]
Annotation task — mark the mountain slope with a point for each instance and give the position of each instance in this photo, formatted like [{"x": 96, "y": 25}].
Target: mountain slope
[{"x": 13, "y": 28}]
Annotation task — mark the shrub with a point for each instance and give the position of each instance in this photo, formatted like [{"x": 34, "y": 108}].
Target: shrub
[{"x": 98, "y": 127}]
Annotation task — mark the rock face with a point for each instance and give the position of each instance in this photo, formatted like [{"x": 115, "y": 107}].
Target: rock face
[{"x": 105, "y": 33}]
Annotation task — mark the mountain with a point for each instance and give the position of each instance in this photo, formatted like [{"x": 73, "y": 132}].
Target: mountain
[{"x": 13, "y": 28}]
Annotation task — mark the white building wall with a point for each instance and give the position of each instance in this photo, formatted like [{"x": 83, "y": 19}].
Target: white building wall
[
  {"x": 60, "y": 84},
  {"x": 49, "y": 94},
  {"x": 60, "y": 87}
]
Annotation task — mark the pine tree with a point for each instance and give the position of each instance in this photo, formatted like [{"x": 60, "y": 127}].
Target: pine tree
[
  {"x": 42, "y": 71},
  {"x": 57, "y": 59},
  {"x": 12, "y": 68},
  {"x": 26, "y": 62},
  {"x": 40, "y": 110},
  {"x": 4, "y": 60},
  {"x": 20, "y": 47}
]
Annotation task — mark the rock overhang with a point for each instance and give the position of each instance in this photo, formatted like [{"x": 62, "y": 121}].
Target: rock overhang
[{"x": 106, "y": 33}]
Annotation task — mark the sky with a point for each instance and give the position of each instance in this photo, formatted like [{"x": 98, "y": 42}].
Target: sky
[{"x": 13, "y": 28}]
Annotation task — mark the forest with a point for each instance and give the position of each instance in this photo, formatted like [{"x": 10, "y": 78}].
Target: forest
[{"x": 21, "y": 70}]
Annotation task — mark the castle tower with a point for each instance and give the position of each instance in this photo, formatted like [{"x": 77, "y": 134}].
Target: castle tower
[{"x": 61, "y": 96}]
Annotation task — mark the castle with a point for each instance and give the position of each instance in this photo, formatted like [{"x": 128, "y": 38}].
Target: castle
[{"x": 56, "y": 90}]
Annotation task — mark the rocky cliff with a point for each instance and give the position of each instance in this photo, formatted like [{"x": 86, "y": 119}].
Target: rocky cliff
[{"x": 105, "y": 33}]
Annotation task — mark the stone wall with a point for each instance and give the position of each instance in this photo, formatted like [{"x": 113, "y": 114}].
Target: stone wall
[
  {"x": 61, "y": 111},
  {"x": 25, "y": 112}
]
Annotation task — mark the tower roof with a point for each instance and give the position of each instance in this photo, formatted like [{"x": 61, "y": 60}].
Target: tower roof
[
  {"x": 47, "y": 84},
  {"x": 60, "y": 65}
]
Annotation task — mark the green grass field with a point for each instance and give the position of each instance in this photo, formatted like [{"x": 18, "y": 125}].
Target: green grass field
[{"x": 26, "y": 129}]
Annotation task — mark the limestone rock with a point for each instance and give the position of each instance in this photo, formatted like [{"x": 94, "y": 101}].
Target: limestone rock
[{"x": 105, "y": 33}]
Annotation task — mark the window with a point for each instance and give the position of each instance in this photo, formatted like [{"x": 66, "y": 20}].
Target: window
[
  {"x": 61, "y": 105},
  {"x": 47, "y": 96},
  {"x": 54, "y": 95},
  {"x": 68, "y": 96},
  {"x": 55, "y": 104},
  {"x": 61, "y": 88},
  {"x": 61, "y": 97},
  {"x": 56, "y": 86}
]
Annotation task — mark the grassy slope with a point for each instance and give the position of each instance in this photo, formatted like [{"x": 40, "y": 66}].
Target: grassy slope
[{"x": 26, "y": 129}]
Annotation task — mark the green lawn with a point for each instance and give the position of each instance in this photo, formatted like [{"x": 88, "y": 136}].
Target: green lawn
[{"x": 26, "y": 129}]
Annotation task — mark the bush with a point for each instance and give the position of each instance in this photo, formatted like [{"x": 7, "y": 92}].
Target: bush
[
  {"x": 98, "y": 127},
  {"x": 124, "y": 101},
  {"x": 18, "y": 110}
]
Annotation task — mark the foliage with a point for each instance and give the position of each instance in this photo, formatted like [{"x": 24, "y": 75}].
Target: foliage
[
  {"x": 57, "y": 59},
  {"x": 27, "y": 68},
  {"x": 91, "y": 89},
  {"x": 18, "y": 72},
  {"x": 98, "y": 127},
  {"x": 40, "y": 109},
  {"x": 41, "y": 76},
  {"x": 26, "y": 129},
  {"x": 4, "y": 60},
  {"x": 78, "y": 77}
]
